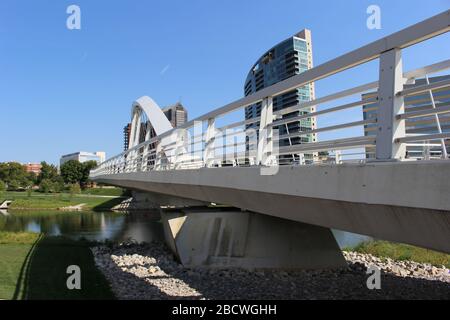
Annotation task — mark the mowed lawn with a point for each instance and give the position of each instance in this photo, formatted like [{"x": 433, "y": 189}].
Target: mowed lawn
[
  {"x": 33, "y": 266},
  {"x": 37, "y": 200},
  {"x": 14, "y": 251}
]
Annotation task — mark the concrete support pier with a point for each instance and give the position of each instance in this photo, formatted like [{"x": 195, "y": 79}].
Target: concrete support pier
[{"x": 230, "y": 238}]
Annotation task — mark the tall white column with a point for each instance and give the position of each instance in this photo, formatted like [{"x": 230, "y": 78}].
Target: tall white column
[
  {"x": 389, "y": 106},
  {"x": 209, "y": 152},
  {"x": 265, "y": 139}
]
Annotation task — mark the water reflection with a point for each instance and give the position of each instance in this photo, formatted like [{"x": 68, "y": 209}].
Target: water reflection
[
  {"x": 142, "y": 226},
  {"x": 90, "y": 225}
]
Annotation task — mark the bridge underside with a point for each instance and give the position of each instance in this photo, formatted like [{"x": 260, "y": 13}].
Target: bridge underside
[{"x": 402, "y": 202}]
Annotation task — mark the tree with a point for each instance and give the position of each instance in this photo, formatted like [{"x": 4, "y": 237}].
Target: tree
[
  {"x": 74, "y": 188},
  {"x": 13, "y": 185},
  {"x": 48, "y": 185},
  {"x": 45, "y": 186},
  {"x": 58, "y": 183},
  {"x": 72, "y": 171},
  {"x": 87, "y": 167},
  {"x": 48, "y": 171},
  {"x": 14, "y": 175}
]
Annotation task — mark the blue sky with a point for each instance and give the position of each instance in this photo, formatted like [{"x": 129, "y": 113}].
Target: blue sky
[{"x": 69, "y": 90}]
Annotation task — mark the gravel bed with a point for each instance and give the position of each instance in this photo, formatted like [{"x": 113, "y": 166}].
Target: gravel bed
[{"x": 149, "y": 271}]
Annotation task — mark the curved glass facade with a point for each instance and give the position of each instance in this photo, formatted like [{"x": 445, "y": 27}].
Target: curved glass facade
[{"x": 290, "y": 57}]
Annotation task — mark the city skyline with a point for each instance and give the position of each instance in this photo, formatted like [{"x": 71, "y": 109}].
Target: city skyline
[{"x": 76, "y": 87}]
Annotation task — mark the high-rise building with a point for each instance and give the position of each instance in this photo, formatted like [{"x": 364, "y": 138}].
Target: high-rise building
[
  {"x": 176, "y": 114},
  {"x": 288, "y": 58},
  {"x": 416, "y": 125},
  {"x": 83, "y": 156},
  {"x": 126, "y": 136}
]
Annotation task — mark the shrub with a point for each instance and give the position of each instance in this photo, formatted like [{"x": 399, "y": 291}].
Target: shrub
[
  {"x": 74, "y": 188},
  {"x": 13, "y": 185},
  {"x": 45, "y": 186}
]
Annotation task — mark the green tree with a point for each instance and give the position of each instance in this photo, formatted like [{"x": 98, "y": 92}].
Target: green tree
[
  {"x": 48, "y": 185},
  {"x": 32, "y": 178},
  {"x": 45, "y": 186},
  {"x": 13, "y": 185},
  {"x": 87, "y": 167},
  {"x": 72, "y": 171},
  {"x": 58, "y": 183},
  {"x": 2, "y": 188},
  {"x": 74, "y": 189},
  {"x": 48, "y": 171},
  {"x": 14, "y": 175}
]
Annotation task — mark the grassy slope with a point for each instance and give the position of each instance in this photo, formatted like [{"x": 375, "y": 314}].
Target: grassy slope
[
  {"x": 398, "y": 251},
  {"x": 39, "y": 271},
  {"x": 14, "y": 248},
  {"x": 53, "y": 201}
]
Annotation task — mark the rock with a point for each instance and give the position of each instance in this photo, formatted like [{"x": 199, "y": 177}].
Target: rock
[{"x": 149, "y": 271}]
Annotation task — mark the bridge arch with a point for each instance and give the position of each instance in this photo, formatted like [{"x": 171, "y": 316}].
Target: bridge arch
[{"x": 146, "y": 114}]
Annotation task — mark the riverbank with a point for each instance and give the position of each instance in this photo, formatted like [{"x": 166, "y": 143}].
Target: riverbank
[
  {"x": 148, "y": 271},
  {"x": 40, "y": 201},
  {"x": 33, "y": 266},
  {"x": 402, "y": 252}
]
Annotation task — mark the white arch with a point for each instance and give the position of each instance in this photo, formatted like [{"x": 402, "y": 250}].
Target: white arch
[{"x": 154, "y": 114}]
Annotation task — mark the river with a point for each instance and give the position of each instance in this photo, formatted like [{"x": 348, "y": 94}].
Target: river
[{"x": 100, "y": 226}]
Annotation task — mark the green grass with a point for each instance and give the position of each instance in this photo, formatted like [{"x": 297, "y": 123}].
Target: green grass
[
  {"x": 18, "y": 237},
  {"x": 104, "y": 191},
  {"x": 53, "y": 201},
  {"x": 37, "y": 269},
  {"x": 398, "y": 251},
  {"x": 15, "y": 248}
]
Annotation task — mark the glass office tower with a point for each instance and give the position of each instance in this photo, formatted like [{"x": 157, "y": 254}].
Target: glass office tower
[{"x": 288, "y": 58}]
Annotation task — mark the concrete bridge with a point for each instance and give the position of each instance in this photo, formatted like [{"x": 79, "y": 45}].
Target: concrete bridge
[{"x": 282, "y": 211}]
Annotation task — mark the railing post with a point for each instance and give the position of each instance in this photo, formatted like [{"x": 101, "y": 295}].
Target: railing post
[
  {"x": 301, "y": 159},
  {"x": 389, "y": 106},
  {"x": 144, "y": 164},
  {"x": 178, "y": 154},
  {"x": 265, "y": 139},
  {"x": 209, "y": 152},
  {"x": 337, "y": 156},
  {"x": 158, "y": 160}
]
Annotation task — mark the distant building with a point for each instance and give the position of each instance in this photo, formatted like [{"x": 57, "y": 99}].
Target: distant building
[
  {"x": 33, "y": 167},
  {"x": 416, "y": 125},
  {"x": 176, "y": 114},
  {"x": 287, "y": 59},
  {"x": 82, "y": 156},
  {"x": 126, "y": 136}
]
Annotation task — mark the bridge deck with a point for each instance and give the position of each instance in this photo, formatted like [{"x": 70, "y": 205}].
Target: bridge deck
[{"x": 398, "y": 201}]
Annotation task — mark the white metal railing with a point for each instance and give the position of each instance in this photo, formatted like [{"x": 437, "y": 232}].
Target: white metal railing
[{"x": 202, "y": 143}]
